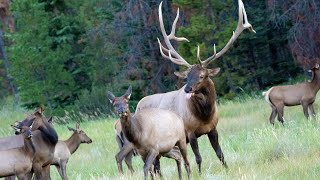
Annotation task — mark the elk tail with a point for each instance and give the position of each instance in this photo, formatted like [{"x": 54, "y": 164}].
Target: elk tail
[{"x": 266, "y": 96}]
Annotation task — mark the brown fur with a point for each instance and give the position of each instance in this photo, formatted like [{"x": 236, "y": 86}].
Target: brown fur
[
  {"x": 18, "y": 161},
  {"x": 153, "y": 132},
  {"x": 291, "y": 95},
  {"x": 64, "y": 149}
]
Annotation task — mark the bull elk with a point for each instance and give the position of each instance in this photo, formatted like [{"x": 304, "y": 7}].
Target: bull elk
[
  {"x": 195, "y": 102},
  {"x": 45, "y": 139},
  {"x": 64, "y": 149},
  {"x": 291, "y": 95},
  {"x": 153, "y": 132},
  {"x": 18, "y": 161}
]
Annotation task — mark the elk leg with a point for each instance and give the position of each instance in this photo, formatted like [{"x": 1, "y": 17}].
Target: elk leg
[
  {"x": 156, "y": 164},
  {"x": 127, "y": 147},
  {"x": 273, "y": 115},
  {"x": 195, "y": 148},
  {"x": 214, "y": 140},
  {"x": 175, "y": 154},
  {"x": 305, "y": 110},
  {"x": 183, "y": 149},
  {"x": 148, "y": 163},
  {"x": 280, "y": 113},
  {"x": 311, "y": 108},
  {"x": 59, "y": 170},
  {"x": 46, "y": 172},
  {"x": 63, "y": 165},
  {"x": 128, "y": 160}
]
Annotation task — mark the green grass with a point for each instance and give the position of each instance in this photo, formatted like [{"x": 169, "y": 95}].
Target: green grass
[{"x": 253, "y": 148}]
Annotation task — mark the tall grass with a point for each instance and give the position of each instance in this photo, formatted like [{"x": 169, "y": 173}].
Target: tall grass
[{"x": 252, "y": 147}]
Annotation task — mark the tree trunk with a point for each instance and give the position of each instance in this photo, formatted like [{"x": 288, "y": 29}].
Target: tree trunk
[{"x": 3, "y": 56}]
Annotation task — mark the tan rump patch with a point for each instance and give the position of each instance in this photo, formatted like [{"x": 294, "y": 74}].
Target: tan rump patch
[{"x": 11, "y": 142}]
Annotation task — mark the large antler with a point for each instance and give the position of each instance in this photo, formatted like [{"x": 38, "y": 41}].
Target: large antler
[
  {"x": 177, "y": 59},
  {"x": 242, "y": 25}
]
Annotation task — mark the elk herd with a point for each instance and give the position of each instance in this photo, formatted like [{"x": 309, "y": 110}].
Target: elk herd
[{"x": 162, "y": 124}]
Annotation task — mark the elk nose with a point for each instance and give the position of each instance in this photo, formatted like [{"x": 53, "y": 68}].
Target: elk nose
[
  {"x": 90, "y": 141},
  {"x": 187, "y": 89}
]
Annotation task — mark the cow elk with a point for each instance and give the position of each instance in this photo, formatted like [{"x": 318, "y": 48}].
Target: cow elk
[
  {"x": 291, "y": 95},
  {"x": 196, "y": 101},
  {"x": 153, "y": 132},
  {"x": 18, "y": 161},
  {"x": 64, "y": 149},
  {"x": 127, "y": 150},
  {"x": 44, "y": 138}
]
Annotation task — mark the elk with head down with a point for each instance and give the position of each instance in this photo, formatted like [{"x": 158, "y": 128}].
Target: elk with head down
[
  {"x": 18, "y": 161},
  {"x": 291, "y": 95},
  {"x": 45, "y": 139},
  {"x": 196, "y": 101},
  {"x": 64, "y": 149},
  {"x": 153, "y": 132}
]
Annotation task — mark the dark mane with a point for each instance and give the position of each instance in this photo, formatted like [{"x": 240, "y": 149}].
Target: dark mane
[
  {"x": 49, "y": 133},
  {"x": 202, "y": 105}
]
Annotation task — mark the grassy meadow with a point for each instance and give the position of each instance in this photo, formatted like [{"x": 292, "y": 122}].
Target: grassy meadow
[{"x": 253, "y": 148}]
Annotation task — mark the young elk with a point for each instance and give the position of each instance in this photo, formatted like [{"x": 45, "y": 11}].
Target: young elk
[
  {"x": 18, "y": 161},
  {"x": 64, "y": 149},
  {"x": 153, "y": 132},
  {"x": 292, "y": 95},
  {"x": 195, "y": 102}
]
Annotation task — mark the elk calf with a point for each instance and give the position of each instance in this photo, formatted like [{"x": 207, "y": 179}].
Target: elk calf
[
  {"x": 64, "y": 149},
  {"x": 153, "y": 132},
  {"x": 292, "y": 95},
  {"x": 18, "y": 161}
]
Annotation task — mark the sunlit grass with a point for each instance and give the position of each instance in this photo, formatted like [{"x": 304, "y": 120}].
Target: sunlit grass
[{"x": 252, "y": 147}]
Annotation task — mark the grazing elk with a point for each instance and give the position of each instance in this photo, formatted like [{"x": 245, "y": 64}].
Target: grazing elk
[
  {"x": 18, "y": 161},
  {"x": 292, "y": 95},
  {"x": 64, "y": 149},
  {"x": 45, "y": 139},
  {"x": 195, "y": 102},
  {"x": 153, "y": 132}
]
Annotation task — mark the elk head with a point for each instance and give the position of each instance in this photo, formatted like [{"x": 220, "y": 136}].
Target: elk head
[
  {"x": 315, "y": 71},
  {"x": 34, "y": 121},
  {"x": 197, "y": 73},
  {"x": 120, "y": 104},
  {"x": 25, "y": 130},
  {"x": 84, "y": 138}
]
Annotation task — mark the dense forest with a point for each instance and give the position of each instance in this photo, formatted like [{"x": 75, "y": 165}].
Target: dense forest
[{"x": 65, "y": 55}]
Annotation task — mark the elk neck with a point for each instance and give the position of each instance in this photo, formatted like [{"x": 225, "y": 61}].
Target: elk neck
[
  {"x": 49, "y": 132},
  {"x": 315, "y": 83},
  {"x": 202, "y": 104},
  {"x": 130, "y": 127},
  {"x": 73, "y": 142},
  {"x": 29, "y": 146}
]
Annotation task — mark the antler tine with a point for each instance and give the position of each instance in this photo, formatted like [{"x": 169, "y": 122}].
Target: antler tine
[
  {"x": 242, "y": 25},
  {"x": 177, "y": 59},
  {"x": 173, "y": 30},
  {"x": 174, "y": 60}
]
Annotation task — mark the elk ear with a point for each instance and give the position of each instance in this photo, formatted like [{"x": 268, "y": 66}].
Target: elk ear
[
  {"x": 182, "y": 75},
  {"x": 128, "y": 93},
  {"x": 77, "y": 125},
  {"x": 110, "y": 96},
  {"x": 50, "y": 120},
  {"x": 213, "y": 72},
  {"x": 71, "y": 129},
  {"x": 317, "y": 66}
]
